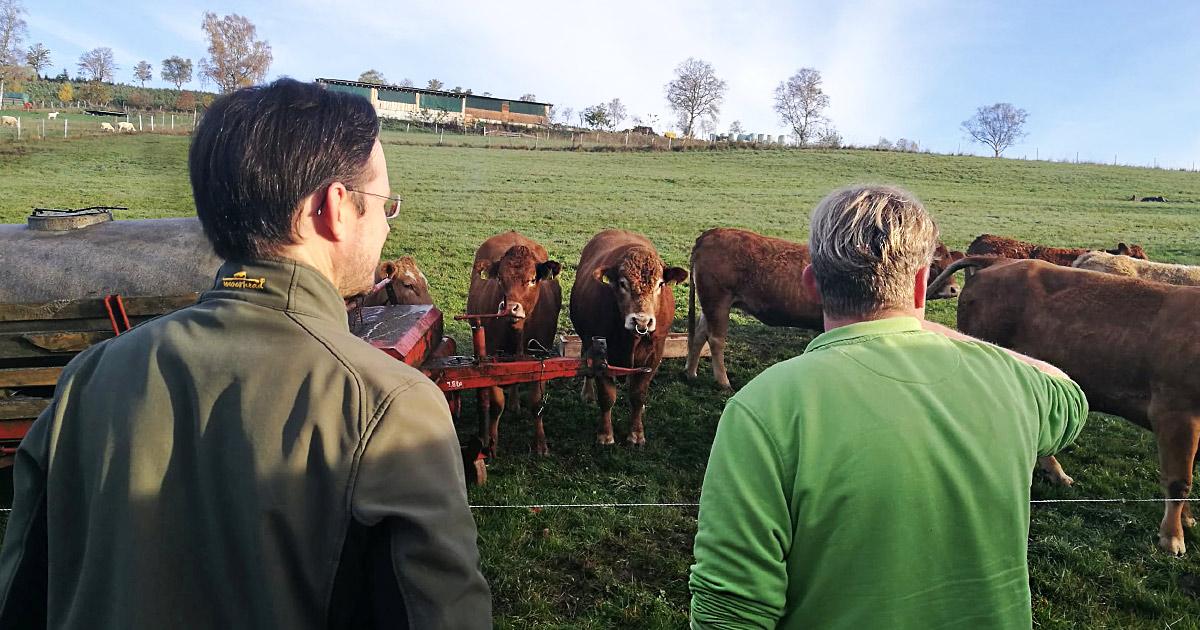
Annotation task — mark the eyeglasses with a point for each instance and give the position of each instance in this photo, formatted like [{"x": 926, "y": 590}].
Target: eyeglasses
[{"x": 391, "y": 208}]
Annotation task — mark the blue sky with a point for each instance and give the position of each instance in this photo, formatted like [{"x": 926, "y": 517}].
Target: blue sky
[{"x": 1101, "y": 79}]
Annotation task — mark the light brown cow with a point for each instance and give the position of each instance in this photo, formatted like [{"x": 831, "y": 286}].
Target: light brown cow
[
  {"x": 1132, "y": 346},
  {"x": 406, "y": 284},
  {"x": 1182, "y": 275},
  {"x": 622, "y": 293},
  {"x": 759, "y": 275},
  {"x": 514, "y": 275}
]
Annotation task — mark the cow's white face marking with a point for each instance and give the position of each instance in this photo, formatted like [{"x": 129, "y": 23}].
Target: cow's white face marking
[{"x": 410, "y": 275}]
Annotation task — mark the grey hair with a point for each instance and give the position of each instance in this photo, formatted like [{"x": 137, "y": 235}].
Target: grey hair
[{"x": 867, "y": 243}]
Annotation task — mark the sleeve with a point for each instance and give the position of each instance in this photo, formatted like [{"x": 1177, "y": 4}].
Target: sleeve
[
  {"x": 24, "y": 578},
  {"x": 410, "y": 480},
  {"x": 1062, "y": 409},
  {"x": 744, "y": 529}
]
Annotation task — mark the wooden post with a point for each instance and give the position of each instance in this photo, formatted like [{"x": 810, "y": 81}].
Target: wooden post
[
  {"x": 172, "y": 122},
  {"x": 18, "y": 127},
  {"x": 139, "y": 121},
  {"x": 152, "y": 123},
  {"x": 65, "y": 121}
]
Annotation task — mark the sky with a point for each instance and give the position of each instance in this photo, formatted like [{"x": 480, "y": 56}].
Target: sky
[{"x": 1102, "y": 81}]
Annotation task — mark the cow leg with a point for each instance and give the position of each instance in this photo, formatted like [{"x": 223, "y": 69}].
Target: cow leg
[
  {"x": 512, "y": 398},
  {"x": 695, "y": 346},
  {"x": 718, "y": 328},
  {"x": 606, "y": 394},
  {"x": 639, "y": 392},
  {"x": 1054, "y": 471},
  {"x": 537, "y": 393},
  {"x": 588, "y": 393},
  {"x": 496, "y": 394},
  {"x": 1176, "y": 434}
]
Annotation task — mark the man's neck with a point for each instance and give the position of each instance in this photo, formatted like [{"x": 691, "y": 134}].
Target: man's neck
[
  {"x": 316, "y": 260},
  {"x": 837, "y": 321}
]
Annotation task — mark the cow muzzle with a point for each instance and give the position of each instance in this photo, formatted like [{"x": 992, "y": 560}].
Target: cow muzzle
[
  {"x": 511, "y": 309},
  {"x": 640, "y": 323}
]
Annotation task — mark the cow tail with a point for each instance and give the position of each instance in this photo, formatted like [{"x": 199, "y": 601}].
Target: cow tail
[
  {"x": 971, "y": 262},
  {"x": 691, "y": 329}
]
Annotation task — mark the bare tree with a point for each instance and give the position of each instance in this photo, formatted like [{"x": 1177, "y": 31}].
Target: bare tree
[
  {"x": 405, "y": 83},
  {"x": 565, "y": 114},
  {"x": 12, "y": 32},
  {"x": 998, "y": 126},
  {"x": 884, "y": 144},
  {"x": 735, "y": 128},
  {"x": 235, "y": 58},
  {"x": 434, "y": 84},
  {"x": 529, "y": 98},
  {"x": 177, "y": 70},
  {"x": 616, "y": 113},
  {"x": 372, "y": 76},
  {"x": 37, "y": 57},
  {"x": 143, "y": 72},
  {"x": 695, "y": 93},
  {"x": 801, "y": 104},
  {"x": 97, "y": 64},
  {"x": 829, "y": 137}
]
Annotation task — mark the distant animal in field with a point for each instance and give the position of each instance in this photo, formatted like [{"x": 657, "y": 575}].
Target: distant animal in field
[
  {"x": 125, "y": 126},
  {"x": 8, "y": 121},
  {"x": 107, "y": 127},
  {"x": 52, "y": 115},
  {"x": 1005, "y": 247},
  {"x": 1158, "y": 198},
  {"x": 1181, "y": 275}
]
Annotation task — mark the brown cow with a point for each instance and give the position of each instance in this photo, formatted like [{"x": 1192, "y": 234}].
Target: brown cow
[
  {"x": 406, "y": 284},
  {"x": 1132, "y": 346},
  {"x": 622, "y": 293},
  {"x": 514, "y": 275},
  {"x": 760, "y": 275},
  {"x": 1005, "y": 247}
]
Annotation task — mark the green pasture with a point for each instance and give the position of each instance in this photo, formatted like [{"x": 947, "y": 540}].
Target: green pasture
[{"x": 1092, "y": 565}]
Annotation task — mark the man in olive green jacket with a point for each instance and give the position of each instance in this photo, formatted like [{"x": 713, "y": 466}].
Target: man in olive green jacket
[{"x": 247, "y": 462}]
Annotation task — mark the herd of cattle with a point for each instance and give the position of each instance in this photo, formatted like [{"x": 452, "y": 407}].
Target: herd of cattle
[{"x": 1122, "y": 326}]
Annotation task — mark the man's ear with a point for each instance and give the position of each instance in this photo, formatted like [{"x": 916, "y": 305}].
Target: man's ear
[
  {"x": 333, "y": 213},
  {"x": 919, "y": 289},
  {"x": 811, "y": 286},
  {"x": 674, "y": 274},
  {"x": 601, "y": 275},
  {"x": 548, "y": 268}
]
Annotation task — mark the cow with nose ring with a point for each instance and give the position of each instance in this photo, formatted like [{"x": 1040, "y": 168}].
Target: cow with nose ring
[
  {"x": 514, "y": 276},
  {"x": 623, "y": 293}
]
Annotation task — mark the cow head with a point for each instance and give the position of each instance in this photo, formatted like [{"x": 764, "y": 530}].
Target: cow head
[
  {"x": 942, "y": 258},
  {"x": 408, "y": 284},
  {"x": 520, "y": 276},
  {"x": 1133, "y": 251},
  {"x": 638, "y": 282}
]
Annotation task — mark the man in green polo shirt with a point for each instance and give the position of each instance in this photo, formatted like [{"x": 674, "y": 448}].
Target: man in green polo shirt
[{"x": 881, "y": 479}]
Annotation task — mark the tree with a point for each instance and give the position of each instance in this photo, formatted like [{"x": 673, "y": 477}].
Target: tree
[
  {"x": 884, "y": 144},
  {"x": 63, "y": 76},
  {"x": 735, "y": 129},
  {"x": 565, "y": 114},
  {"x": 434, "y": 84},
  {"x": 998, "y": 126},
  {"x": 616, "y": 113},
  {"x": 95, "y": 92},
  {"x": 596, "y": 116},
  {"x": 801, "y": 103},
  {"x": 904, "y": 144},
  {"x": 695, "y": 93},
  {"x": 186, "y": 101},
  {"x": 235, "y": 58},
  {"x": 139, "y": 99},
  {"x": 66, "y": 92},
  {"x": 372, "y": 76},
  {"x": 829, "y": 137},
  {"x": 177, "y": 70},
  {"x": 12, "y": 33},
  {"x": 37, "y": 57},
  {"x": 406, "y": 83},
  {"x": 97, "y": 64},
  {"x": 143, "y": 72},
  {"x": 530, "y": 98}
]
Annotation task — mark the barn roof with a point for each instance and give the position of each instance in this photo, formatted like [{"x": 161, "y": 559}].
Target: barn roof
[{"x": 399, "y": 88}]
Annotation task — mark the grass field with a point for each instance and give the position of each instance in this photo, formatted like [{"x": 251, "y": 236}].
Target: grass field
[{"x": 1092, "y": 565}]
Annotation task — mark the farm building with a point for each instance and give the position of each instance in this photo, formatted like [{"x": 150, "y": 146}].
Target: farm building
[{"x": 410, "y": 103}]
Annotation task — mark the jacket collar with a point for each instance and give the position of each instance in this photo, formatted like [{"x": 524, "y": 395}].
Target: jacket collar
[
  {"x": 282, "y": 284},
  {"x": 863, "y": 330}
]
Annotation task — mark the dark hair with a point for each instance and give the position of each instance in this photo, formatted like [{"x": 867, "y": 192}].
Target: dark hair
[{"x": 260, "y": 150}]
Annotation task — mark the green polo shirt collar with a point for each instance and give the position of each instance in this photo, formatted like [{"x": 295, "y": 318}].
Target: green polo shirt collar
[
  {"x": 284, "y": 285},
  {"x": 864, "y": 330}
]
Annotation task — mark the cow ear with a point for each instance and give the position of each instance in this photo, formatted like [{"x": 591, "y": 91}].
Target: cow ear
[
  {"x": 548, "y": 268},
  {"x": 601, "y": 275},
  {"x": 674, "y": 274},
  {"x": 387, "y": 269},
  {"x": 482, "y": 269},
  {"x": 1123, "y": 249}
]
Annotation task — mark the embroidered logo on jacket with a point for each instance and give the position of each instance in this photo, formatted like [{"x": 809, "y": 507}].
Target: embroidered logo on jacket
[{"x": 240, "y": 281}]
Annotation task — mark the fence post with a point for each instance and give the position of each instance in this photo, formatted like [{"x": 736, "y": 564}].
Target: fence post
[
  {"x": 151, "y": 123},
  {"x": 172, "y": 122},
  {"x": 139, "y": 121},
  {"x": 65, "y": 121},
  {"x": 18, "y": 127}
]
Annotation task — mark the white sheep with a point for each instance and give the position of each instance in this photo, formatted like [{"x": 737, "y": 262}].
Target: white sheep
[
  {"x": 8, "y": 121},
  {"x": 52, "y": 115},
  {"x": 106, "y": 127},
  {"x": 125, "y": 126}
]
